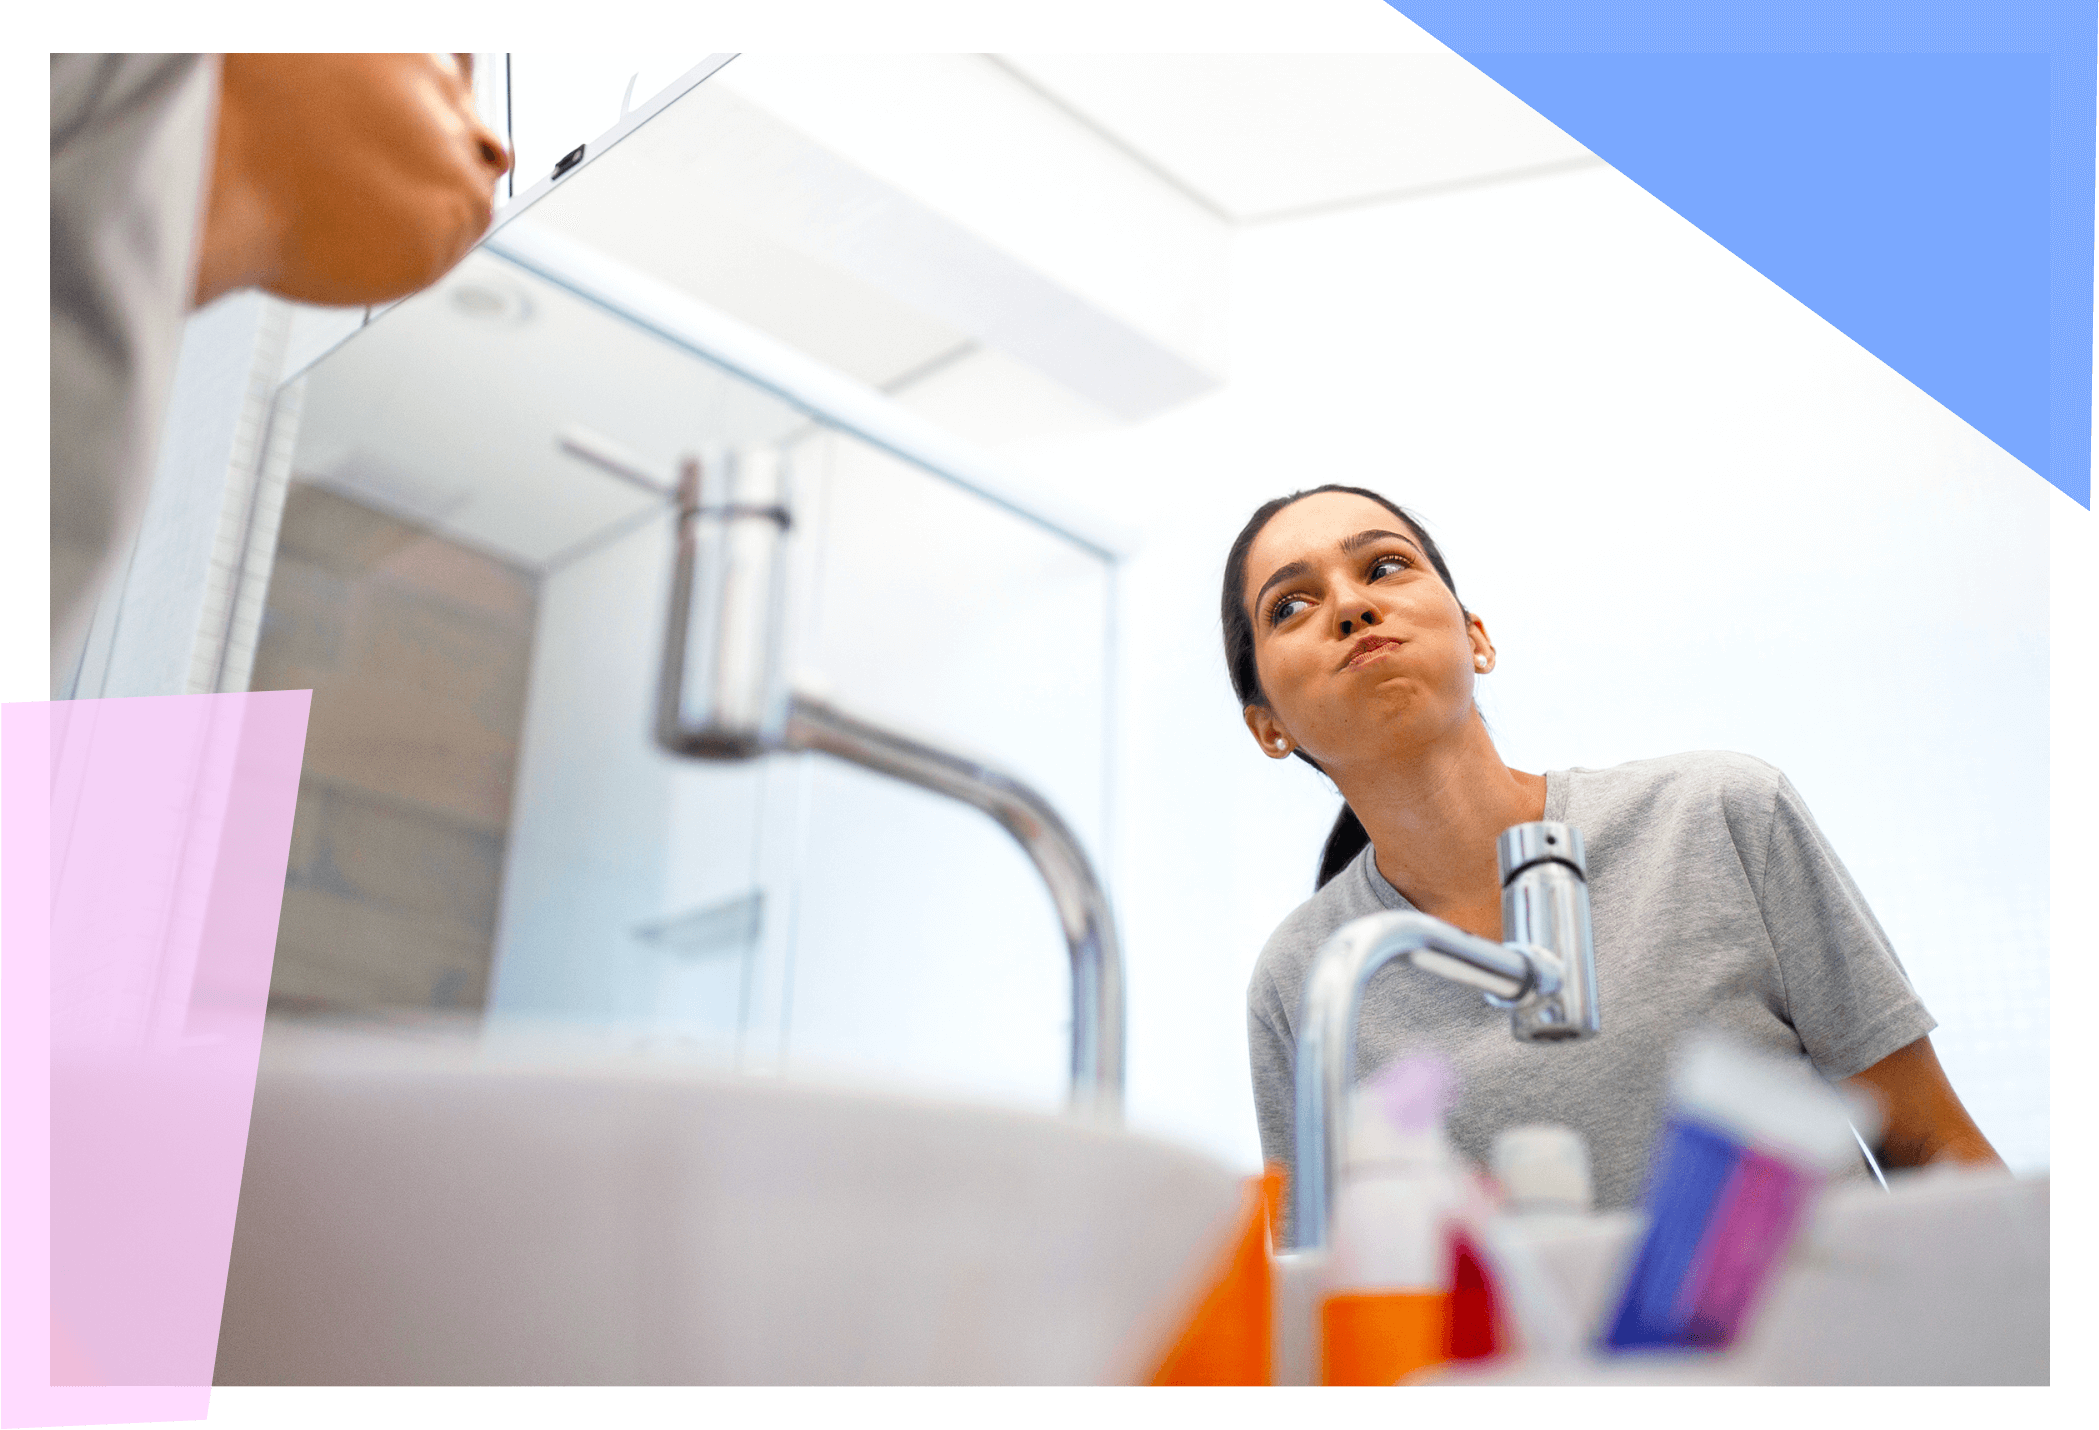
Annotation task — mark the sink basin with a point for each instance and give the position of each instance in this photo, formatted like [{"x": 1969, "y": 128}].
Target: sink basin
[{"x": 426, "y": 1215}]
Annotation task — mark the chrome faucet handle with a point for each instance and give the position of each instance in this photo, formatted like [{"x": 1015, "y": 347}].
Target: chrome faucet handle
[
  {"x": 1545, "y": 910},
  {"x": 723, "y": 691}
]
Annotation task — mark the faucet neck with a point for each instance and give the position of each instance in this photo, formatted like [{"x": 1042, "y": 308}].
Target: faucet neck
[
  {"x": 1544, "y": 975},
  {"x": 1080, "y": 899}
]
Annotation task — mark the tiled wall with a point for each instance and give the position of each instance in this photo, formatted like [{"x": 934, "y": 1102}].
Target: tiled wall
[{"x": 416, "y": 650}]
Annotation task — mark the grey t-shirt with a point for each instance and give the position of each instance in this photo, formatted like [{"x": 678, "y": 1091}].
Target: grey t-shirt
[{"x": 1716, "y": 903}]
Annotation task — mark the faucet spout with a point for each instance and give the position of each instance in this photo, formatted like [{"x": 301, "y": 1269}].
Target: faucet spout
[
  {"x": 724, "y": 695},
  {"x": 1081, "y": 901},
  {"x": 1544, "y": 975}
]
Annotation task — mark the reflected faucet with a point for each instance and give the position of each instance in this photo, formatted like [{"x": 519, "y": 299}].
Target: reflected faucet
[
  {"x": 1544, "y": 974},
  {"x": 724, "y": 695}
]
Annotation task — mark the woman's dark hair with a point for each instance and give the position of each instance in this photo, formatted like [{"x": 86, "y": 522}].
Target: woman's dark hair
[{"x": 1348, "y": 837}]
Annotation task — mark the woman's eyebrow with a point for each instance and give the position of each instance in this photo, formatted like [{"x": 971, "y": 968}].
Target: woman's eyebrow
[
  {"x": 1365, "y": 538},
  {"x": 1289, "y": 571}
]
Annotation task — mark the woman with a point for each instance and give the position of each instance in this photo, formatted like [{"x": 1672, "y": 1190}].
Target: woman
[{"x": 1716, "y": 901}]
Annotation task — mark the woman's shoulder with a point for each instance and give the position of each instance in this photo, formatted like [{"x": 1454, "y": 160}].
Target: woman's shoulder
[
  {"x": 1287, "y": 955},
  {"x": 1735, "y": 783},
  {"x": 1699, "y": 804}
]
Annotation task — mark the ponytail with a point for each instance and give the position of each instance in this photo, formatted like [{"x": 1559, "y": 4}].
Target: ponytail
[{"x": 1344, "y": 842}]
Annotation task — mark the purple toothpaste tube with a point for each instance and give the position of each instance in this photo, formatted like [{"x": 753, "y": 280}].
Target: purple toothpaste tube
[{"x": 1749, "y": 1141}]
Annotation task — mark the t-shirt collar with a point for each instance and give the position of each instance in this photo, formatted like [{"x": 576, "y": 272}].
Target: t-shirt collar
[{"x": 1381, "y": 888}]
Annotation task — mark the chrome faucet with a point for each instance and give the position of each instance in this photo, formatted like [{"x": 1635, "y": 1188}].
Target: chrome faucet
[
  {"x": 1544, "y": 974},
  {"x": 724, "y": 695}
]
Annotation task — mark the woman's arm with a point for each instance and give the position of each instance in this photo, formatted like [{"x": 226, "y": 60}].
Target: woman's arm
[{"x": 1922, "y": 1119}]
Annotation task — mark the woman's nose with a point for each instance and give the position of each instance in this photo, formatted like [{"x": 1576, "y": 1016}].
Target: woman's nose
[
  {"x": 494, "y": 156},
  {"x": 1367, "y": 617}
]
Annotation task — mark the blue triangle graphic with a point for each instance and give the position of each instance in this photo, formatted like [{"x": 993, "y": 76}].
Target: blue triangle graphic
[{"x": 1919, "y": 175}]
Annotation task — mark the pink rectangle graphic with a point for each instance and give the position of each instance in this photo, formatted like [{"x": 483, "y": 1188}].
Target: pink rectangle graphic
[{"x": 142, "y": 854}]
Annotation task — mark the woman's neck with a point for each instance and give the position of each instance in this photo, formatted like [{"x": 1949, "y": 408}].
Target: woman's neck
[{"x": 1433, "y": 816}]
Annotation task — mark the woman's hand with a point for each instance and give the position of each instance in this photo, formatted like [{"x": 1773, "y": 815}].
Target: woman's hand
[
  {"x": 344, "y": 179},
  {"x": 1922, "y": 1119}
]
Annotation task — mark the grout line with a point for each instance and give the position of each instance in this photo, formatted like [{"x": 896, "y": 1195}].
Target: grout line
[{"x": 242, "y": 497}]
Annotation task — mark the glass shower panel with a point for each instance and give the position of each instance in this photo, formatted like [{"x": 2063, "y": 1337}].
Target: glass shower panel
[{"x": 786, "y": 913}]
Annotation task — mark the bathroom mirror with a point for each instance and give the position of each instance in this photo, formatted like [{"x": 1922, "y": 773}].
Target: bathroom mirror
[
  {"x": 1163, "y": 289},
  {"x": 485, "y": 824}
]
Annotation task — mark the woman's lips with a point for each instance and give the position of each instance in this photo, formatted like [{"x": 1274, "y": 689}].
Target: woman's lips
[{"x": 1368, "y": 649}]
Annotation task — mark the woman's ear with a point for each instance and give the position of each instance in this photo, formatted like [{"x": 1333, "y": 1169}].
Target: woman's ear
[
  {"x": 1268, "y": 732},
  {"x": 1482, "y": 644}
]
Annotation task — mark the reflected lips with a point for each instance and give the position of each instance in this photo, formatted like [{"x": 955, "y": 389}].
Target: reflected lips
[{"x": 1367, "y": 649}]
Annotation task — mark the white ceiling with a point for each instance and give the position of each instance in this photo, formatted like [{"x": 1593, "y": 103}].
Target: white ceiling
[
  {"x": 887, "y": 213},
  {"x": 949, "y": 181},
  {"x": 705, "y": 237},
  {"x": 1252, "y": 135},
  {"x": 804, "y": 237},
  {"x": 1258, "y": 137}
]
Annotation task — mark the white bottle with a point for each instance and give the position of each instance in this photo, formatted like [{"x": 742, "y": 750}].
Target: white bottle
[
  {"x": 1543, "y": 1171},
  {"x": 1388, "y": 1272},
  {"x": 1559, "y": 1257}
]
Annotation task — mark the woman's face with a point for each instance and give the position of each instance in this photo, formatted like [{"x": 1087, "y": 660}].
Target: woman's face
[
  {"x": 1363, "y": 652},
  {"x": 374, "y": 173}
]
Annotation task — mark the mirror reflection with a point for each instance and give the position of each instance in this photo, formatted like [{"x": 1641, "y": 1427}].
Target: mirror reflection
[{"x": 505, "y": 592}]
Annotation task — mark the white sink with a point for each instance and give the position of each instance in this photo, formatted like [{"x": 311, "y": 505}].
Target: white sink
[{"x": 422, "y": 1215}]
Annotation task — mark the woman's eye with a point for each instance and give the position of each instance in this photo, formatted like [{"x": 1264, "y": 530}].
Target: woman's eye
[
  {"x": 1386, "y": 565},
  {"x": 1284, "y": 609}
]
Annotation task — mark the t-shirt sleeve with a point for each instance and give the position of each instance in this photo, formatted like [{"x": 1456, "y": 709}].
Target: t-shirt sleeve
[
  {"x": 1272, "y": 1055},
  {"x": 131, "y": 148},
  {"x": 1848, "y": 998}
]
